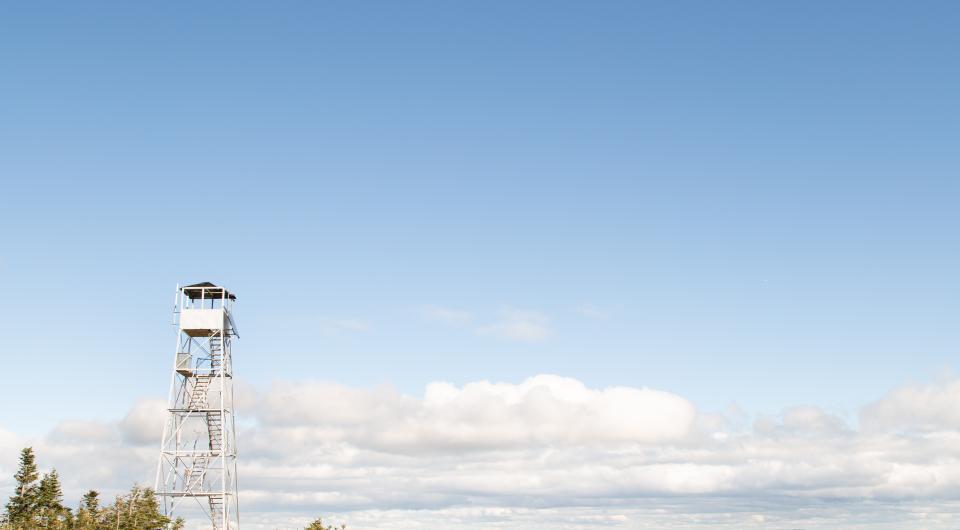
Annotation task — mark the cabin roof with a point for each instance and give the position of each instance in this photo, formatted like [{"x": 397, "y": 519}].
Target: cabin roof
[{"x": 207, "y": 290}]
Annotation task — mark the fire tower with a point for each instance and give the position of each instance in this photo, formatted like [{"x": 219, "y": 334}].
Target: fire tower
[{"x": 198, "y": 450}]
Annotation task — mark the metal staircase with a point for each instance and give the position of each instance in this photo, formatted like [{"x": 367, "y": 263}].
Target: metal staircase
[
  {"x": 216, "y": 355},
  {"x": 214, "y": 420},
  {"x": 215, "y": 431},
  {"x": 194, "y": 475},
  {"x": 216, "y": 508},
  {"x": 199, "y": 392}
]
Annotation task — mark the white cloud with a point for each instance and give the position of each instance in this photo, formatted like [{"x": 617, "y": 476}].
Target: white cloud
[
  {"x": 518, "y": 324},
  {"x": 140, "y": 426},
  {"x": 83, "y": 432},
  {"x": 541, "y": 410},
  {"x": 801, "y": 421},
  {"x": 551, "y": 452},
  {"x": 927, "y": 408}
]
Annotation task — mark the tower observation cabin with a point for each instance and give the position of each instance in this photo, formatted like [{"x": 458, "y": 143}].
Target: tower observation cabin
[{"x": 205, "y": 309}]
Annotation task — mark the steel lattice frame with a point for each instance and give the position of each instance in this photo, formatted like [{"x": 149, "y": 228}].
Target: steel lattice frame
[{"x": 198, "y": 450}]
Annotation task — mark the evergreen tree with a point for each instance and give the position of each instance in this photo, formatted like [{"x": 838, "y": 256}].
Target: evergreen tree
[
  {"x": 90, "y": 501},
  {"x": 22, "y": 507},
  {"x": 89, "y": 515},
  {"x": 50, "y": 511}
]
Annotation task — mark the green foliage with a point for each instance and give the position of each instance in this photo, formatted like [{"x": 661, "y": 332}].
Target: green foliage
[
  {"x": 90, "y": 515},
  {"x": 21, "y": 509},
  {"x": 50, "y": 513},
  {"x": 318, "y": 525},
  {"x": 137, "y": 510},
  {"x": 37, "y": 504}
]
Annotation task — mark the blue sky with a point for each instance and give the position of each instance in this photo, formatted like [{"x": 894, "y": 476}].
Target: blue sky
[{"x": 749, "y": 203}]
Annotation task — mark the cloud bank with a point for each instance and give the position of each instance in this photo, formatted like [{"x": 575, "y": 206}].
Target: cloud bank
[{"x": 550, "y": 452}]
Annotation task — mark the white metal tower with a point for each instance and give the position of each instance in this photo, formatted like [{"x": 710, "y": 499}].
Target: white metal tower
[{"x": 198, "y": 450}]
